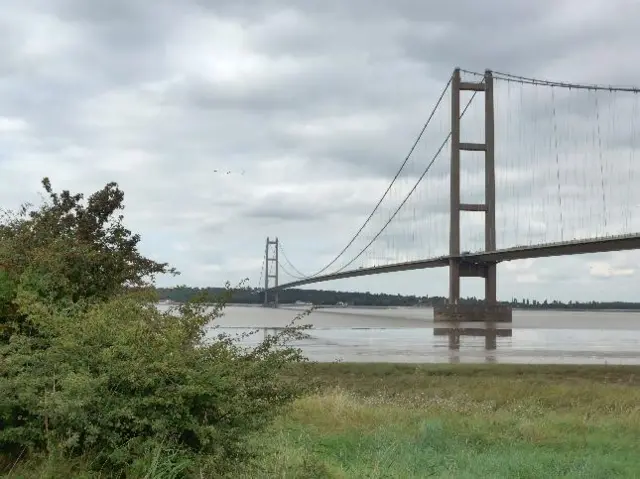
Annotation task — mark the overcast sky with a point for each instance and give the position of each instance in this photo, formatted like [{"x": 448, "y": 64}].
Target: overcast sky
[{"x": 227, "y": 121}]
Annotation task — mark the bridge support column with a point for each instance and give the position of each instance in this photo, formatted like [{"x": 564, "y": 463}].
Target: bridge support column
[
  {"x": 453, "y": 310},
  {"x": 271, "y": 264},
  {"x": 474, "y": 312}
]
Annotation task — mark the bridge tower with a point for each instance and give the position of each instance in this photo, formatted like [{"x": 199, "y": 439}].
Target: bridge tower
[
  {"x": 271, "y": 264},
  {"x": 490, "y": 310}
]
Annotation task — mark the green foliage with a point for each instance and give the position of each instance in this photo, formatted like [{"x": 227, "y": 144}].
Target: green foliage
[
  {"x": 90, "y": 368},
  {"x": 67, "y": 252}
]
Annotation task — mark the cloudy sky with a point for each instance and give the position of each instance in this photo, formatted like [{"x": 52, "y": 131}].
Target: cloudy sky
[{"x": 229, "y": 121}]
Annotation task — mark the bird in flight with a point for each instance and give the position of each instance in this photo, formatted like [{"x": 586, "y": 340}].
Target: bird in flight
[{"x": 229, "y": 172}]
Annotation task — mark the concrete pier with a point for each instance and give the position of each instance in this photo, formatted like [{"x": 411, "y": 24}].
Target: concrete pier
[{"x": 499, "y": 313}]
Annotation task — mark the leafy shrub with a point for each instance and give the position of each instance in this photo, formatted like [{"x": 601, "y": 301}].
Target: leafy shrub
[{"x": 88, "y": 365}]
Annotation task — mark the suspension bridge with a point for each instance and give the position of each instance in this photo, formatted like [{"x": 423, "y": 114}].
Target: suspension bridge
[{"x": 541, "y": 168}]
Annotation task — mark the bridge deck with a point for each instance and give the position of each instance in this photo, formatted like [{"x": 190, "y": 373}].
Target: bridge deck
[{"x": 596, "y": 245}]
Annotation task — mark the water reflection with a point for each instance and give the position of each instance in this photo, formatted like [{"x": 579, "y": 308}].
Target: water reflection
[
  {"x": 462, "y": 342},
  {"x": 489, "y": 331}
]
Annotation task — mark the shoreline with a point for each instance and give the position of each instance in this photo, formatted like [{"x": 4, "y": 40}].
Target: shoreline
[{"x": 296, "y": 307}]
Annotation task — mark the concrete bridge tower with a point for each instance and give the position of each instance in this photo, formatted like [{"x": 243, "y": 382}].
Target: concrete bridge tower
[
  {"x": 489, "y": 310},
  {"x": 271, "y": 271}
]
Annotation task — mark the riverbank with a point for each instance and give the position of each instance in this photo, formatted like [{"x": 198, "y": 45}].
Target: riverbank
[
  {"x": 454, "y": 421},
  {"x": 403, "y": 421}
]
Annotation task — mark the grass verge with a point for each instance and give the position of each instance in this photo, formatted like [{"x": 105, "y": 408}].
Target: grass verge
[
  {"x": 449, "y": 421},
  {"x": 459, "y": 421}
]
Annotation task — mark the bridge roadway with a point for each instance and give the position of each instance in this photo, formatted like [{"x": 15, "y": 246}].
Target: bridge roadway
[{"x": 564, "y": 248}]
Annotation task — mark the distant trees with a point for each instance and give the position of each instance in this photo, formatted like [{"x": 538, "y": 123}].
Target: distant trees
[
  {"x": 319, "y": 297},
  {"x": 255, "y": 296}
]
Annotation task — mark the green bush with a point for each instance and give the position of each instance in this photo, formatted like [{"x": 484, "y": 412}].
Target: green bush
[{"x": 90, "y": 368}]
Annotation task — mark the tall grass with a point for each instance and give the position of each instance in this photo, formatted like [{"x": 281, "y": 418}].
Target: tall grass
[{"x": 458, "y": 421}]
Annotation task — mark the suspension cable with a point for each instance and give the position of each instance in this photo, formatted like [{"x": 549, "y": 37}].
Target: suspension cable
[
  {"x": 406, "y": 198},
  {"x": 413, "y": 147},
  {"x": 507, "y": 77},
  {"x": 261, "y": 273},
  {"x": 281, "y": 266},
  {"x": 536, "y": 81},
  {"x": 286, "y": 258}
]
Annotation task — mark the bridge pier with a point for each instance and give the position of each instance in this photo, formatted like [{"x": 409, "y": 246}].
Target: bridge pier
[
  {"x": 489, "y": 310},
  {"x": 471, "y": 313}
]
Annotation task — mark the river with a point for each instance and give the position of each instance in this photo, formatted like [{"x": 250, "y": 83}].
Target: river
[{"x": 410, "y": 335}]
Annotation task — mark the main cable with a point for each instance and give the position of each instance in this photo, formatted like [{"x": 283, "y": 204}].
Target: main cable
[
  {"x": 406, "y": 198},
  {"x": 281, "y": 266},
  {"x": 413, "y": 147},
  {"x": 286, "y": 258},
  {"x": 426, "y": 170},
  {"x": 536, "y": 81}
]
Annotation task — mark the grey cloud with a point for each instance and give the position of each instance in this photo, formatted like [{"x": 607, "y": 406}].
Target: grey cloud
[
  {"x": 131, "y": 97},
  {"x": 284, "y": 211},
  {"x": 469, "y": 13}
]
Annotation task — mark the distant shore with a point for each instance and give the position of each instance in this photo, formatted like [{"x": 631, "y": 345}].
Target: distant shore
[
  {"x": 376, "y": 307},
  {"x": 354, "y": 299}
]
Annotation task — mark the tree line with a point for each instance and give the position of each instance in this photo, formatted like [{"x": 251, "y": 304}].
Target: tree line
[{"x": 181, "y": 294}]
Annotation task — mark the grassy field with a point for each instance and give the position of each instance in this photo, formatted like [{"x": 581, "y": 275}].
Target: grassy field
[
  {"x": 450, "y": 421},
  {"x": 461, "y": 421}
]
